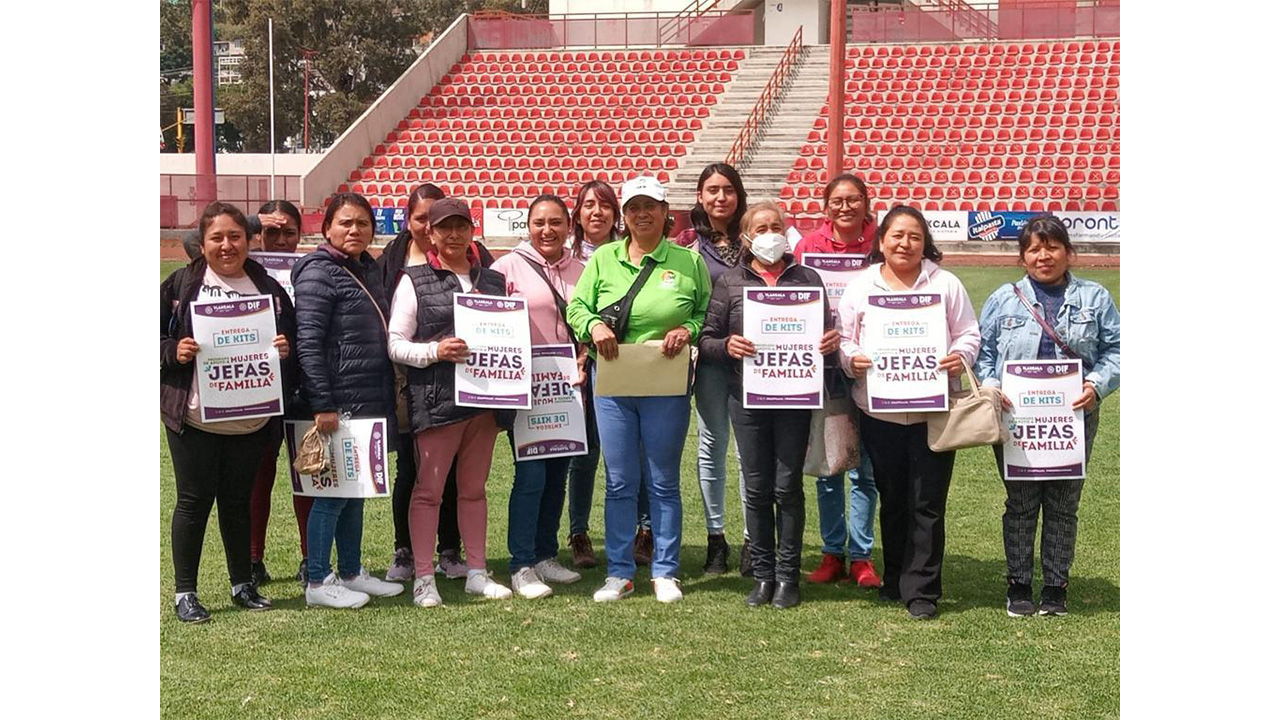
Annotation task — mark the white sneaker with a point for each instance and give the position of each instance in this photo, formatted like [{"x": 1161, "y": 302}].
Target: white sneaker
[
  {"x": 335, "y": 595},
  {"x": 451, "y": 565},
  {"x": 371, "y": 585},
  {"x": 425, "y": 593},
  {"x": 529, "y": 585},
  {"x": 553, "y": 572},
  {"x": 480, "y": 583},
  {"x": 615, "y": 588},
  {"x": 667, "y": 590}
]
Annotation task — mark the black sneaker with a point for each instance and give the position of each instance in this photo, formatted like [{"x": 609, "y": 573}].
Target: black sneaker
[
  {"x": 762, "y": 593},
  {"x": 249, "y": 599},
  {"x": 922, "y": 610},
  {"x": 787, "y": 595},
  {"x": 1053, "y": 600},
  {"x": 190, "y": 610},
  {"x": 260, "y": 575},
  {"x": 744, "y": 562},
  {"x": 1018, "y": 603},
  {"x": 717, "y": 555}
]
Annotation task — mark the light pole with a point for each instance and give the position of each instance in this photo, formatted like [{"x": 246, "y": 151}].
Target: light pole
[{"x": 306, "y": 98}]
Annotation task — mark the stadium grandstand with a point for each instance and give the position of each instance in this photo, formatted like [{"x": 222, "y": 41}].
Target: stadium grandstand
[{"x": 964, "y": 110}]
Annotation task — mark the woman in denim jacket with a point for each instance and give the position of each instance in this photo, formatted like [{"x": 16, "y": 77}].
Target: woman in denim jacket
[{"x": 1085, "y": 318}]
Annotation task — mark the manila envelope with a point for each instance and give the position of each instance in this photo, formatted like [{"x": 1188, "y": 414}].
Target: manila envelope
[{"x": 640, "y": 370}]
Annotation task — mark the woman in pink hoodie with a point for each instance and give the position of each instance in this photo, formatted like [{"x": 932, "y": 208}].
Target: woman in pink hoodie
[{"x": 543, "y": 272}]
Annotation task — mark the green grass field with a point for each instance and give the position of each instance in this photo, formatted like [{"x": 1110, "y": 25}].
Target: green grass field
[{"x": 841, "y": 654}]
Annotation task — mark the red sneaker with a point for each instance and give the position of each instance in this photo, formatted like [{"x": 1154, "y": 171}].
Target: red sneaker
[
  {"x": 864, "y": 573},
  {"x": 829, "y": 570}
]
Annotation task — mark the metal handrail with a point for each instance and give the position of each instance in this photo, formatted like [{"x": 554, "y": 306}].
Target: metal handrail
[
  {"x": 772, "y": 91},
  {"x": 691, "y": 12}
]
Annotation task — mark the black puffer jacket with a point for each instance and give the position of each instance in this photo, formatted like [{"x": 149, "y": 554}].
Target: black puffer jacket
[
  {"x": 724, "y": 314},
  {"x": 431, "y": 388},
  {"x": 342, "y": 341},
  {"x": 177, "y": 292}
]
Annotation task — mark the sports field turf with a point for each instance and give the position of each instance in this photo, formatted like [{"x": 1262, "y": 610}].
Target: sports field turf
[{"x": 841, "y": 654}]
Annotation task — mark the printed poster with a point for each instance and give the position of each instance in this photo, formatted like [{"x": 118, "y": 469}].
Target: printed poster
[
  {"x": 279, "y": 266},
  {"x": 237, "y": 367},
  {"x": 496, "y": 373},
  {"x": 905, "y": 334},
  {"x": 359, "y": 459},
  {"x": 837, "y": 270},
  {"x": 785, "y": 325},
  {"x": 555, "y": 426},
  {"x": 1046, "y": 436}
]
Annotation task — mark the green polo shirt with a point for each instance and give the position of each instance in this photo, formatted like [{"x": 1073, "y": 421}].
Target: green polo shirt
[{"x": 675, "y": 294}]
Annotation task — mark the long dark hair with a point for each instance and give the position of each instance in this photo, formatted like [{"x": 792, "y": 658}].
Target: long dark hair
[
  {"x": 604, "y": 194},
  {"x": 698, "y": 214},
  {"x": 1047, "y": 227},
  {"x": 931, "y": 251},
  {"x": 425, "y": 191}
]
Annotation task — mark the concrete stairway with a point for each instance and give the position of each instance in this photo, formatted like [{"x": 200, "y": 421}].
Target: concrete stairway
[{"x": 765, "y": 169}]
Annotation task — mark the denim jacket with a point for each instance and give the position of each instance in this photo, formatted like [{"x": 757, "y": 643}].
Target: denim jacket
[{"x": 1088, "y": 323}]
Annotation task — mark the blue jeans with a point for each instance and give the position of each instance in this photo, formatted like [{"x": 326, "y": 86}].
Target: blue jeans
[
  {"x": 859, "y": 534},
  {"x": 333, "y": 520},
  {"x": 642, "y": 440},
  {"x": 711, "y": 393},
  {"x": 533, "y": 513},
  {"x": 582, "y": 475}
]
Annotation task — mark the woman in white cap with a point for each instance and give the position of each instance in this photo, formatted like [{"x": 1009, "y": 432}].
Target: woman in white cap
[{"x": 642, "y": 438}]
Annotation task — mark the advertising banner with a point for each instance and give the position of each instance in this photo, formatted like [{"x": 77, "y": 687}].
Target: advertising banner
[
  {"x": 496, "y": 373},
  {"x": 905, "y": 334},
  {"x": 555, "y": 426},
  {"x": 358, "y": 452},
  {"x": 1091, "y": 226},
  {"x": 506, "y": 222},
  {"x": 237, "y": 367},
  {"x": 997, "y": 225},
  {"x": 948, "y": 225},
  {"x": 1046, "y": 436},
  {"x": 785, "y": 325}
]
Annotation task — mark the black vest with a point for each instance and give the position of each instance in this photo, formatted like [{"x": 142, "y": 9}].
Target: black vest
[{"x": 431, "y": 388}]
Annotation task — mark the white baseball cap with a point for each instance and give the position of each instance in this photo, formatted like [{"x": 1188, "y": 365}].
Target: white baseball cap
[{"x": 645, "y": 185}]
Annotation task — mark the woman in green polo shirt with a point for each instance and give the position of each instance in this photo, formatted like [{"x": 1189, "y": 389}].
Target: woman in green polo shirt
[{"x": 642, "y": 438}]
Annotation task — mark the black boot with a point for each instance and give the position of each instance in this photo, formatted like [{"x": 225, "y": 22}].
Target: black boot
[
  {"x": 190, "y": 610},
  {"x": 717, "y": 555},
  {"x": 787, "y": 595},
  {"x": 260, "y": 575},
  {"x": 761, "y": 594}
]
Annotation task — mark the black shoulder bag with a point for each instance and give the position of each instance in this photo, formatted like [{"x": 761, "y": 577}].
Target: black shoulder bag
[
  {"x": 561, "y": 304},
  {"x": 618, "y": 315}
]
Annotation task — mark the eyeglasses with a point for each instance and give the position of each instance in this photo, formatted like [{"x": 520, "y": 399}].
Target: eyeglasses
[{"x": 851, "y": 201}]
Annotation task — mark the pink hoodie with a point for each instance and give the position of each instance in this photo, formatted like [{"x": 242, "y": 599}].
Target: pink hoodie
[{"x": 546, "y": 327}]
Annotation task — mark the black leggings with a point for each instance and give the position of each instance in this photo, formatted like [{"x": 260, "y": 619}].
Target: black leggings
[
  {"x": 208, "y": 468},
  {"x": 448, "y": 537}
]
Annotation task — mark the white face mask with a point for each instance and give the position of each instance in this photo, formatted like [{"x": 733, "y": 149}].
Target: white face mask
[{"x": 768, "y": 247}]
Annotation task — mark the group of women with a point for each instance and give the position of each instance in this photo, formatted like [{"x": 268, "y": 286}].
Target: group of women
[{"x": 377, "y": 339}]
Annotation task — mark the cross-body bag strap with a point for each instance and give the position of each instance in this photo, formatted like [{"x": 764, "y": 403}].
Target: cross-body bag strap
[
  {"x": 369, "y": 295},
  {"x": 1045, "y": 325},
  {"x": 561, "y": 305},
  {"x": 623, "y": 306}
]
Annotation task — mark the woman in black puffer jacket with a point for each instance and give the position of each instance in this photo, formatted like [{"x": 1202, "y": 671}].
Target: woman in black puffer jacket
[
  {"x": 771, "y": 442},
  {"x": 342, "y": 350}
]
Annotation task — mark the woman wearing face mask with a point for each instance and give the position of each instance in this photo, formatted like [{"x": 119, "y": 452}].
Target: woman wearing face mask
[
  {"x": 280, "y": 223},
  {"x": 213, "y": 461},
  {"x": 1087, "y": 325},
  {"x": 642, "y": 437},
  {"x": 543, "y": 271},
  {"x": 771, "y": 443},
  {"x": 409, "y": 249},
  {"x": 595, "y": 222},
  {"x": 342, "y": 348},
  {"x": 423, "y": 339},
  {"x": 716, "y": 236},
  {"x": 848, "y": 229},
  {"x": 912, "y": 479}
]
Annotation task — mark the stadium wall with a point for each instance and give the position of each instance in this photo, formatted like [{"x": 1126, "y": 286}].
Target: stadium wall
[{"x": 371, "y": 128}]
